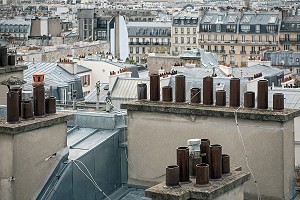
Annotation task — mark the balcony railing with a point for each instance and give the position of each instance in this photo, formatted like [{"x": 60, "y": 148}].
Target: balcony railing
[
  {"x": 150, "y": 43},
  {"x": 289, "y": 40},
  {"x": 243, "y": 52}
]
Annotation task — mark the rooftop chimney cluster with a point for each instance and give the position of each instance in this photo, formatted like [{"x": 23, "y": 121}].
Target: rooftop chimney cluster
[
  {"x": 27, "y": 108},
  {"x": 5, "y": 58},
  {"x": 200, "y": 161},
  {"x": 120, "y": 71},
  {"x": 208, "y": 97},
  {"x": 66, "y": 60}
]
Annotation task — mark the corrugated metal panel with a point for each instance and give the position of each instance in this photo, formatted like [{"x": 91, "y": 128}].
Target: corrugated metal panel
[{"x": 127, "y": 88}]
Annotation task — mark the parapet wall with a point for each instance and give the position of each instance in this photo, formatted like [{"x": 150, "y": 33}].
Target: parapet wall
[{"x": 155, "y": 129}]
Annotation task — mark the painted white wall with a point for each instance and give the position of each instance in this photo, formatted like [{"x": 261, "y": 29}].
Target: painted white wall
[{"x": 100, "y": 70}]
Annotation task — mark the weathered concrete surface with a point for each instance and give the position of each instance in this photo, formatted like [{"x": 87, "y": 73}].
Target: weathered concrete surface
[
  {"x": 215, "y": 189},
  {"x": 29, "y": 151},
  {"x": 36, "y": 123},
  {"x": 155, "y": 130},
  {"x": 202, "y": 110}
]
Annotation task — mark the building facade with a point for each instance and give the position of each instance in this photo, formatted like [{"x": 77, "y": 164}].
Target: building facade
[
  {"x": 185, "y": 28},
  {"x": 289, "y": 36},
  {"x": 148, "y": 37}
]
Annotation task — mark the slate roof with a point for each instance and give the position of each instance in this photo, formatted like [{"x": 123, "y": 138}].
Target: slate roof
[{"x": 55, "y": 76}]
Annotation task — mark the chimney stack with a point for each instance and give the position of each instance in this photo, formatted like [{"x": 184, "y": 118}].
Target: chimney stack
[{"x": 38, "y": 94}]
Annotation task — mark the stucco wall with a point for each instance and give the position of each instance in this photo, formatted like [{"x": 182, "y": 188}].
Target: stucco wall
[
  {"x": 27, "y": 159},
  {"x": 154, "y": 63},
  {"x": 155, "y": 136}
]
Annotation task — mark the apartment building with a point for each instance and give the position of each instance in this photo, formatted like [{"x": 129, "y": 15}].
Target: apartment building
[
  {"x": 236, "y": 36},
  {"x": 148, "y": 37},
  {"x": 185, "y": 28},
  {"x": 289, "y": 36},
  {"x": 15, "y": 29}
]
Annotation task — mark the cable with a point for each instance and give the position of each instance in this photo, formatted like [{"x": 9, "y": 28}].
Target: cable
[
  {"x": 90, "y": 178},
  {"x": 245, "y": 152}
]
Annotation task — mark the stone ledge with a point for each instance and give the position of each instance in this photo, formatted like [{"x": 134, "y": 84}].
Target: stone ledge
[
  {"x": 189, "y": 191},
  {"x": 28, "y": 125},
  {"x": 15, "y": 68},
  {"x": 214, "y": 111}
]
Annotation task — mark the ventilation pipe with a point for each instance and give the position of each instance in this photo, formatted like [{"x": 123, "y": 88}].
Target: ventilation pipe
[
  {"x": 180, "y": 88},
  {"x": 262, "y": 94},
  {"x": 167, "y": 94},
  {"x": 195, "y": 158},
  {"x": 38, "y": 94},
  {"x": 183, "y": 163},
  {"x": 172, "y": 176},
  {"x": 202, "y": 174},
  {"x": 278, "y": 102},
  {"x": 13, "y": 106},
  {"x": 195, "y": 95},
  {"x": 207, "y": 90},
  {"x": 50, "y": 105},
  {"x": 249, "y": 99},
  {"x": 205, "y": 151},
  {"x": 235, "y": 92},
  {"x": 142, "y": 91},
  {"x": 27, "y": 109},
  {"x": 220, "y": 98},
  {"x": 225, "y": 164},
  {"x": 216, "y": 161},
  {"x": 154, "y": 87}
]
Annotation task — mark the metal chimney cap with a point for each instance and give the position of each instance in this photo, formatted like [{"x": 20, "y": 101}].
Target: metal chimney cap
[{"x": 193, "y": 142}]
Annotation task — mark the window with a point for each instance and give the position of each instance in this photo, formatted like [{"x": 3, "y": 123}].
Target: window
[
  {"x": 137, "y": 50},
  {"x": 176, "y": 49},
  {"x": 176, "y": 30},
  {"x": 243, "y": 38},
  {"x": 243, "y": 49},
  {"x": 252, "y": 50},
  {"x": 188, "y": 40},
  {"x": 137, "y": 40},
  {"x": 298, "y": 37},
  {"x": 257, "y": 28},
  {"x": 222, "y": 49},
  {"x": 286, "y": 37},
  {"x": 176, "y": 21},
  {"x": 216, "y": 38},
  {"x": 230, "y": 28},
  {"x": 208, "y": 48},
  {"x": 216, "y": 49},
  {"x": 188, "y": 30},
  {"x": 194, "y": 30},
  {"x": 182, "y": 40},
  {"x": 194, "y": 40},
  {"x": 222, "y": 37},
  {"x": 206, "y": 27},
  {"x": 267, "y": 39},
  {"x": 182, "y": 30},
  {"x": 259, "y": 38},
  {"x": 208, "y": 37},
  {"x": 286, "y": 47},
  {"x": 271, "y": 28},
  {"x": 231, "y": 37},
  {"x": 218, "y": 27},
  {"x": 85, "y": 80},
  {"x": 131, "y": 49},
  {"x": 245, "y": 28},
  {"x": 298, "y": 47},
  {"x": 253, "y": 38},
  {"x": 201, "y": 37}
]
